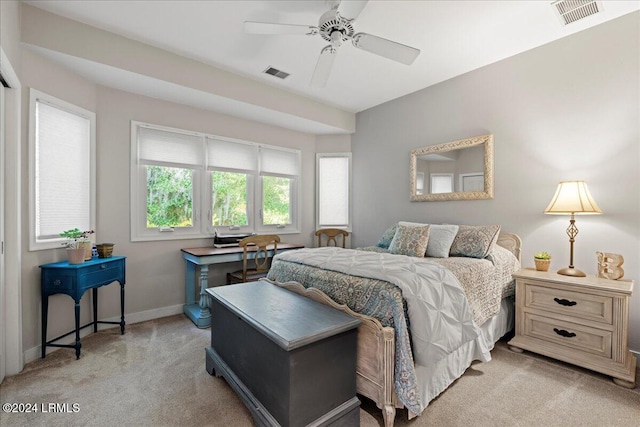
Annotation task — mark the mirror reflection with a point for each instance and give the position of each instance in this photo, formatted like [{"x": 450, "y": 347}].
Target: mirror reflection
[{"x": 458, "y": 170}]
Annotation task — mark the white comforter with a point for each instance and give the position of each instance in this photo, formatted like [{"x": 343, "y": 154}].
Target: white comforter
[{"x": 439, "y": 314}]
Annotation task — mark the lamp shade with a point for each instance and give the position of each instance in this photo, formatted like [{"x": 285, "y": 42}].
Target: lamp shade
[{"x": 572, "y": 197}]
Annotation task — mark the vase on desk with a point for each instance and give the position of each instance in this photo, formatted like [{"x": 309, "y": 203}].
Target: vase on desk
[
  {"x": 87, "y": 246},
  {"x": 76, "y": 255}
]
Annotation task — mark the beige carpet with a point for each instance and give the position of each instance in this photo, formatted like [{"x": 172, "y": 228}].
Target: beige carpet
[{"x": 154, "y": 375}]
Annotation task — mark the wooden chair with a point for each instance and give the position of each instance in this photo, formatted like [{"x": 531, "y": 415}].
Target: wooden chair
[
  {"x": 261, "y": 260},
  {"x": 331, "y": 234}
]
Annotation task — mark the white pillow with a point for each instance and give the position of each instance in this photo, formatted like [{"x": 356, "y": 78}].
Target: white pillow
[{"x": 440, "y": 240}]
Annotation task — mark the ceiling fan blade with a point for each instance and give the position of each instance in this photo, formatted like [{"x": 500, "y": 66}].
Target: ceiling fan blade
[
  {"x": 387, "y": 48},
  {"x": 350, "y": 9},
  {"x": 324, "y": 66},
  {"x": 252, "y": 27}
]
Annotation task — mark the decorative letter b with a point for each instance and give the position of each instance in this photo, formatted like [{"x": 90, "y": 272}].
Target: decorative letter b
[{"x": 609, "y": 265}]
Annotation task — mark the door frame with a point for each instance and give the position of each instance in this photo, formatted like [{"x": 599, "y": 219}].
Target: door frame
[
  {"x": 2, "y": 285},
  {"x": 11, "y": 320}
]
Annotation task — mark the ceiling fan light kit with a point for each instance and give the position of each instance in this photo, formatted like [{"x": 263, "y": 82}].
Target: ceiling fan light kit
[{"x": 336, "y": 27}]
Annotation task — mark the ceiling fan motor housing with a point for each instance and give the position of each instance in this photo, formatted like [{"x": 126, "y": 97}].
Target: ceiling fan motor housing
[{"x": 334, "y": 28}]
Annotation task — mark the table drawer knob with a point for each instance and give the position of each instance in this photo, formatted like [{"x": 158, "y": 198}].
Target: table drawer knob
[
  {"x": 57, "y": 282},
  {"x": 103, "y": 266},
  {"x": 564, "y": 333},
  {"x": 565, "y": 302}
]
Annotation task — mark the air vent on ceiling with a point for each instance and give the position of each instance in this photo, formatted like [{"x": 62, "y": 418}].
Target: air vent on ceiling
[
  {"x": 276, "y": 73},
  {"x": 574, "y": 10}
]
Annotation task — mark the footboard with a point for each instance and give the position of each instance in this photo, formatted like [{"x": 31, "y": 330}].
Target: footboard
[{"x": 376, "y": 354}]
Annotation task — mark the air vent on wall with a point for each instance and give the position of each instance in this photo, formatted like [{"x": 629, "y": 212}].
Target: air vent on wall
[
  {"x": 276, "y": 73},
  {"x": 574, "y": 10}
]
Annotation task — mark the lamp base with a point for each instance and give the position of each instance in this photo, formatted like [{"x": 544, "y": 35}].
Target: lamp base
[{"x": 570, "y": 271}]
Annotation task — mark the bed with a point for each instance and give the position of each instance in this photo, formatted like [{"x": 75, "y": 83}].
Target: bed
[{"x": 425, "y": 319}]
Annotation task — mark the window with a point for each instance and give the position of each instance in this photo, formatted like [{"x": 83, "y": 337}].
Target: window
[
  {"x": 419, "y": 182},
  {"x": 333, "y": 190},
  {"x": 471, "y": 181},
  {"x": 167, "y": 175},
  {"x": 229, "y": 199},
  {"x": 441, "y": 183},
  {"x": 61, "y": 169},
  {"x": 190, "y": 184},
  {"x": 279, "y": 170}
]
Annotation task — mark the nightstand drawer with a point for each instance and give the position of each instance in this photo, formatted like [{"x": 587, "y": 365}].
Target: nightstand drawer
[
  {"x": 578, "y": 337},
  {"x": 583, "y": 305}
]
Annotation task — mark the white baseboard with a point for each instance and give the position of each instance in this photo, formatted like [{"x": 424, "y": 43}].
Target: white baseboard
[{"x": 142, "y": 316}]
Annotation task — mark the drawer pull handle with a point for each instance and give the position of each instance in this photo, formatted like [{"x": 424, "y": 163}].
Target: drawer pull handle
[
  {"x": 564, "y": 333},
  {"x": 57, "y": 282},
  {"x": 103, "y": 266},
  {"x": 565, "y": 302}
]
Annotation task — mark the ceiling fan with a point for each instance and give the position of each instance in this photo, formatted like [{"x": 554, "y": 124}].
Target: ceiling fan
[{"x": 336, "y": 27}]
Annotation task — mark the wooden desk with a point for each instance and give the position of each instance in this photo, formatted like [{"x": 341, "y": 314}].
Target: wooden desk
[
  {"x": 200, "y": 312},
  {"x": 74, "y": 280}
]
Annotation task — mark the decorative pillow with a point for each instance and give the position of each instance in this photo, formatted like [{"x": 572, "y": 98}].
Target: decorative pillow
[
  {"x": 475, "y": 241},
  {"x": 413, "y": 224},
  {"x": 440, "y": 240},
  {"x": 387, "y": 237},
  {"x": 410, "y": 241}
]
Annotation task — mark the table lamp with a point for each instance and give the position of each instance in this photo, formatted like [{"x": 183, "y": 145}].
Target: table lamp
[{"x": 572, "y": 198}]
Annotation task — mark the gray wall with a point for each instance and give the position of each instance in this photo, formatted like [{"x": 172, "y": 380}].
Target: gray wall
[
  {"x": 155, "y": 270},
  {"x": 564, "y": 111},
  {"x": 10, "y": 31}
]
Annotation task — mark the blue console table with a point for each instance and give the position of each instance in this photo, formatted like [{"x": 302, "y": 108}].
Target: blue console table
[{"x": 74, "y": 280}]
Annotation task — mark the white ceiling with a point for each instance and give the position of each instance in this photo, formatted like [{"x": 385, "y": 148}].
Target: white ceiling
[{"x": 454, "y": 37}]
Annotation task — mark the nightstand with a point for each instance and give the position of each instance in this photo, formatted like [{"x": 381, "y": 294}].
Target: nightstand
[{"x": 579, "y": 320}]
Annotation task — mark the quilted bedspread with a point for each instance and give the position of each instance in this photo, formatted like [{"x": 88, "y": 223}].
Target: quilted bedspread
[
  {"x": 485, "y": 281},
  {"x": 440, "y": 319}
]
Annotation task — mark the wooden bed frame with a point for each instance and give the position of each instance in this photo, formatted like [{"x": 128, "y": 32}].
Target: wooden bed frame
[{"x": 376, "y": 345}]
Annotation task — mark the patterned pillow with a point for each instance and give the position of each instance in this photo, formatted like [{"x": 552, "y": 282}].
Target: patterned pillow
[
  {"x": 387, "y": 237},
  {"x": 410, "y": 241},
  {"x": 475, "y": 241},
  {"x": 440, "y": 240}
]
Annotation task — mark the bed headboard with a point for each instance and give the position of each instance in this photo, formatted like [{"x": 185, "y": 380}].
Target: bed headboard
[{"x": 511, "y": 242}]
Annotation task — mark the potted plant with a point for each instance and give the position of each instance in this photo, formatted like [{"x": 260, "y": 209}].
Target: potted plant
[
  {"x": 76, "y": 244},
  {"x": 542, "y": 260},
  {"x": 87, "y": 244}
]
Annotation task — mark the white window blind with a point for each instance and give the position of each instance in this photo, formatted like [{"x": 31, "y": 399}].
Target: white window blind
[
  {"x": 333, "y": 187},
  {"x": 62, "y": 171},
  {"x": 279, "y": 162},
  {"x": 232, "y": 155},
  {"x": 441, "y": 183},
  {"x": 169, "y": 148}
]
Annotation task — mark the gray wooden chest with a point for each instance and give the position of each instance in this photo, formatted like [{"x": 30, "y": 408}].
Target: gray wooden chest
[{"x": 291, "y": 360}]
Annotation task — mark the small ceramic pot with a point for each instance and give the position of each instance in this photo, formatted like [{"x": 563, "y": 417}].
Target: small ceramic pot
[
  {"x": 75, "y": 256},
  {"x": 542, "y": 264}
]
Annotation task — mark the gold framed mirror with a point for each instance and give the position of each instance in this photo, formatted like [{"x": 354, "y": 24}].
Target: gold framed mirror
[{"x": 457, "y": 170}]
